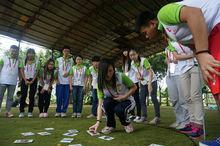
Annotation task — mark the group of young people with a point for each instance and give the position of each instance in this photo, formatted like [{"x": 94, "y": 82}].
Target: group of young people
[
  {"x": 192, "y": 32},
  {"x": 34, "y": 78}
]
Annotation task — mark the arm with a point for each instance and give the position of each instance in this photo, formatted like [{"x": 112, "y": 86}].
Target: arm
[
  {"x": 71, "y": 79},
  {"x": 199, "y": 31},
  {"x": 99, "y": 117},
  {"x": 129, "y": 84},
  {"x": 182, "y": 57}
]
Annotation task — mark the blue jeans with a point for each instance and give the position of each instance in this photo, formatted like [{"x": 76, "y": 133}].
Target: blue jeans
[
  {"x": 10, "y": 93},
  {"x": 143, "y": 94},
  {"x": 62, "y": 93},
  {"x": 77, "y": 99},
  {"x": 94, "y": 102}
]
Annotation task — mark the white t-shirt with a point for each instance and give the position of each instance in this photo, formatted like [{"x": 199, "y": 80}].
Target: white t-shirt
[
  {"x": 94, "y": 74},
  {"x": 9, "y": 72},
  {"x": 63, "y": 67}
]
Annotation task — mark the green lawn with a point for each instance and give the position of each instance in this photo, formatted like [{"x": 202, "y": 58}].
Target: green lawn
[{"x": 144, "y": 135}]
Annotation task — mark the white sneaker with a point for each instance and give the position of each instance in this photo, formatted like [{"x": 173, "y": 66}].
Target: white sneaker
[
  {"x": 78, "y": 115},
  {"x": 132, "y": 117},
  {"x": 129, "y": 128},
  {"x": 41, "y": 115},
  {"x": 9, "y": 115},
  {"x": 21, "y": 115},
  {"x": 107, "y": 130},
  {"x": 181, "y": 126},
  {"x": 141, "y": 120},
  {"x": 90, "y": 116},
  {"x": 137, "y": 118},
  {"x": 63, "y": 115},
  {"x": 74, "y": 115},
  {"x": 30, "y": 115},
  {"x": 57, "y": 115},
  {"x": 174, "y": 125},
  {"x": 45, "y": 115},
  {"x": 155, "y": 121}
]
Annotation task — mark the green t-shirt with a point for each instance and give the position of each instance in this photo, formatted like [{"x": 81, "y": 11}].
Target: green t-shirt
[{"x": 125, "y": 80}]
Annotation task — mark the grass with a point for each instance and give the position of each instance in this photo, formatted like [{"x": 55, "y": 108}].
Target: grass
[{"x": 144, "y": 135}]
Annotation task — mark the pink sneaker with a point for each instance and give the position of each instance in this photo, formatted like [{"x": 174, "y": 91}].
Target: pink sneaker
[
  {"x": 186, "y": 129},
  {"x": 45, "y": 115},
  {"x": 196, "y": 133}
]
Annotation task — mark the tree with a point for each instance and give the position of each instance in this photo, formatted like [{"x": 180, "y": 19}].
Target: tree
[{"x": 158, "y": 64}]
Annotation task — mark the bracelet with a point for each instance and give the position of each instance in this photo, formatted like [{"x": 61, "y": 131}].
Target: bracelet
[
  {"x": 99, "y": 121},
  {"x": 202, "y": 51}
]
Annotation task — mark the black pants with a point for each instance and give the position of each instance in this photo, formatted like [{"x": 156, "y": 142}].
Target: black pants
[
  {"x": 112, "y": 107},
  {"x": 32, "y": 91},
  {"x": 43, "y": 100},
  {"x": 137, "y": 102}
]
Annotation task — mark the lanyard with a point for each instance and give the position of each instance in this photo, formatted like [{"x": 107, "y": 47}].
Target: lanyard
[
  {"x": 65, "y": 65},
  {"x": 182, "y": 48},
  {"x": 30, "y": 66},
  {"x": 13, "y": 63},
  {"x": 78, "y": 72}
]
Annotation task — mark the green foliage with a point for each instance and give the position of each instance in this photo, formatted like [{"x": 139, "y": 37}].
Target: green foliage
[{"x": 158, "y": 64}]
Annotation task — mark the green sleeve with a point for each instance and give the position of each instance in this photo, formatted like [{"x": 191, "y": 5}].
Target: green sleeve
[
  {"x": 169, "y": 14},
  {"x": 1, "y": 62},
  {"x": 146, "y": 63},
  {"x": 170, "y": 47},
  {"x": 126, "y": 80},
  {"x": 71, "y": 71},
  {"x": 56, "y": 64},
  {"x": 100, "y": 94}
]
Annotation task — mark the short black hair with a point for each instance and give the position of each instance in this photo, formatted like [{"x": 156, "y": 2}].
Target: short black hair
[
  {"x": 14, "y": 47},
  {"x": 65, "y": 47},
  {"x": 95, "y": 58},
  {"x": 143, "y": 18}
]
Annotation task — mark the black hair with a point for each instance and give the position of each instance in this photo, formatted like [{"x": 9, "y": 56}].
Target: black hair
[
  {"x": 137, "y": 51},
  {"x": 143, "y": 19},
  {"x": 46, "y": 70},
  {"x": 126, "y": 58},
  {"x": 102, "y": 82},
  {"x": 95, "y": 58},
  {"x": 78, "y": 56},
  {"x": 14, "y": 47},
  {"x": 30, "y": 50},
  {"x": 65, "y": 47}
]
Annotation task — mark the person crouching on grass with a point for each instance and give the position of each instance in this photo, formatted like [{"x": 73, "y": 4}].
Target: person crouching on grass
[{"x": 115, "y": 97}]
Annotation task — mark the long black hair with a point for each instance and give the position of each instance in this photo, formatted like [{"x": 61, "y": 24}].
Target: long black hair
[
  {"x": 137, "y": 51},
  {"x": 102, "y": 73},
  {"x": 30, "y": 50},
  {"x": 46, "y": 70},
  {"x": 126, "y": 58}
]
